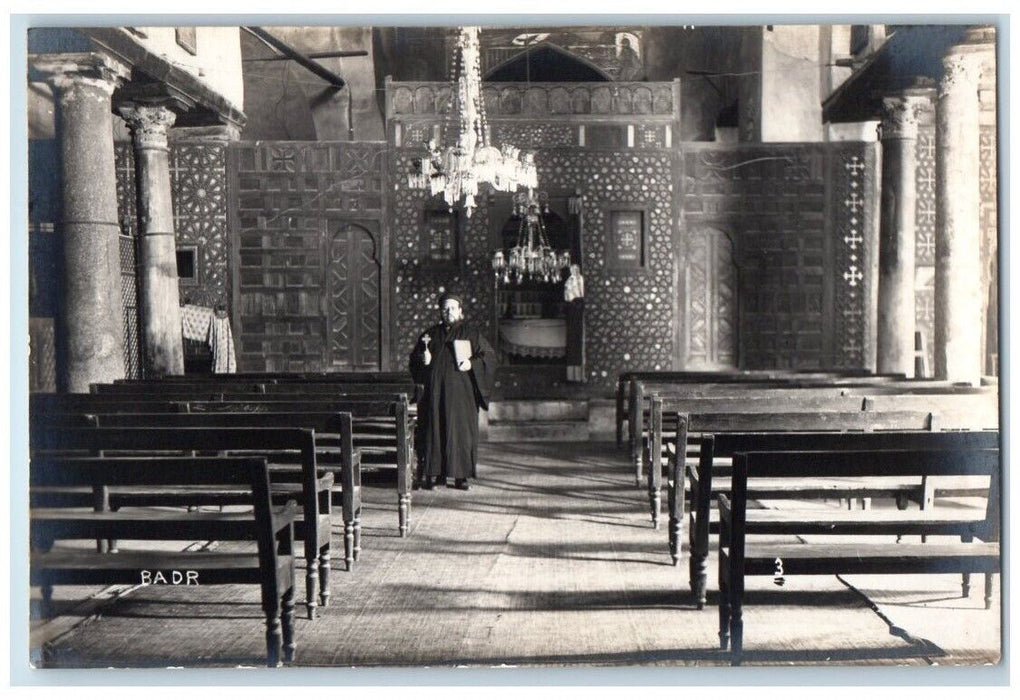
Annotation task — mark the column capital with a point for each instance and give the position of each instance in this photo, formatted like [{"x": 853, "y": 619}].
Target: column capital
[
  {"x": 65, "y": 71},
  {"x": 149, "y": 123},
  {"x": 902, "y": 113},
  {"x": 970, "y": 63}
]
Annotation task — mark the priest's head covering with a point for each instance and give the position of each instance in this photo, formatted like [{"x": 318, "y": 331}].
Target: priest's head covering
[{"x": 446, "y": 296}]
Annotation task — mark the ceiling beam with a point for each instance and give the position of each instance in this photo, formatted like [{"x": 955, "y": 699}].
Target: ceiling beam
[{"x": 285, "y": 49}]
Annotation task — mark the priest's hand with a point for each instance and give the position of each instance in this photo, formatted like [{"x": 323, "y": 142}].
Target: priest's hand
[
  {"x": 426, "y": 356},
  {"x": 464, "y": 365}
]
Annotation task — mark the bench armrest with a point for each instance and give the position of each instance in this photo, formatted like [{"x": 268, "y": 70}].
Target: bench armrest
[
  {"x": 725, "y": 508},
  {"x": 285, "y": 516}
]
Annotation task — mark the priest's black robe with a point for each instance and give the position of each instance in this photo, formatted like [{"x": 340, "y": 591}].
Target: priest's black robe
[{"x": 450, "y": 399}]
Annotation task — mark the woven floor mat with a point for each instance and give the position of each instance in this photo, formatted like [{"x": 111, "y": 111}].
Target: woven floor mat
[{"x": 548, "y": 560}]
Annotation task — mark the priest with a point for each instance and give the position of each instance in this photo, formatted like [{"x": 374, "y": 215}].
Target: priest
[{"x": 455, "y": 367}]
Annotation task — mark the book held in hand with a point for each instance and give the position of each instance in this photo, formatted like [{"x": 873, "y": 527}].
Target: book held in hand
[{"x": 461, "y": 350}]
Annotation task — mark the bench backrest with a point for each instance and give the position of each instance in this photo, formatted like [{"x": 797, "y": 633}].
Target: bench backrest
[
  {"x": 338, "y": 377},
  {"x": 869, "y": 463},
  {"x": 249, "y": 473},
  {"x": 46, "y": 440},
  {"x": 207, "y": 388}
]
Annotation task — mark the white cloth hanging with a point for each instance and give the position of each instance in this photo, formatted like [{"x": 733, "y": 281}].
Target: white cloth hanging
[
  {"x": 195, "y": 321},
  {"x": 202, "y": 323},
  {"x": 221, "y": 342}
]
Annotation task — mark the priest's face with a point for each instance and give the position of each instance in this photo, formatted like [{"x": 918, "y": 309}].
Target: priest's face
[{"x": 451, "y": 311}]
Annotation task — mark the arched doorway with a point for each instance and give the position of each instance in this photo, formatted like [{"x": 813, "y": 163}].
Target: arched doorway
[
  {"x": 353, "y": 299},
  {"x": 710, "y": 301}
]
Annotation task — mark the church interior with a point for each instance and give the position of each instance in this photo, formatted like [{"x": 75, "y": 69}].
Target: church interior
[{"x": 738, "y": 289}]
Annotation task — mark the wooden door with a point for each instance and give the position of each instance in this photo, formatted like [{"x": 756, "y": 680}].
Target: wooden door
[
  {"x": 710, "y": 295},
  {"x": 353, "y": 299}
]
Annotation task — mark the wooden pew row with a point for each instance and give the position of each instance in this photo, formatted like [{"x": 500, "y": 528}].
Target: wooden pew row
[
  {"x": 270, "y": 528},
  {"x": 640, "y": 390},
  {"x": 966, "y": 407},
  {"x": 292, "y": 456},
  {"x": 624, "y": 381},
  {"x": 741, "y": 556},
  {"x": 789, "y": 421},
  {"x": 968, "y": 411},
  {"x": 277, "y": 377},
  {"x": 377, "y": 442},
  {"x": 248, "y": 387},
  {"x": 383, "y": 425},
  {"x": 709, "y": 474}
]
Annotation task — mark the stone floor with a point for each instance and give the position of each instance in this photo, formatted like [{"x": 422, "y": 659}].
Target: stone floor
[{"x": 548, "y": 561}]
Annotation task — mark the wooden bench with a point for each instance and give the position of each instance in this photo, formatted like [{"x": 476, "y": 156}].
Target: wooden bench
[
  {"x": 384, "y": 423},
  {"x": 338, "y": 377},
  {"x": 666, "y": 426},
  {"x": 739, "y": 556},
  {"x": 709, "y": 474},
  {"x": 667, "y": 377},
  {"x": 252, "y": 387},
  {"x": 776, "y": 390},
  {"x": 291, "y": 453},
  {"x": 380, "y": 434},
  {"x": 271, "y": 567},
  {"x": 632, "y": 386}
]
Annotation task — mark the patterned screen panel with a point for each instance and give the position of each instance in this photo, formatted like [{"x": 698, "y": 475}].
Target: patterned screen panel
[
  {"x": 800, "y": 249},
  {"x": 629, "y": 321},
  {"x": 127, "y": 212},
  {"x": 988, "y": 182},
  {"x": 924, "y": 250},
  {"x": 310, "y": 300},
  {"x": 198, "y": 177}
]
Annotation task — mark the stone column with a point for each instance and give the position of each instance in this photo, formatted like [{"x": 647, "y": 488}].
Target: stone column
[
  {"x": 958, "y": 292},
  {"x": 92, "y": 314},
  {"x": 159, "y": 303},
  {"x": 898, "y": 131}
]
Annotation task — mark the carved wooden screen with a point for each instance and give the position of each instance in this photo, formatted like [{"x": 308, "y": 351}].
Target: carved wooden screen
[
  {"x": 310, "y": 293},
  {"x": 353, "y": 299},
  {"x": 710, "y": 291}
]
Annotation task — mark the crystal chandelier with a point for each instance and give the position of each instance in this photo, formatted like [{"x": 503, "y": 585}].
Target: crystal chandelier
[
  {"x": 458, "y": 169},
  {"x": 532, "y": 258}
]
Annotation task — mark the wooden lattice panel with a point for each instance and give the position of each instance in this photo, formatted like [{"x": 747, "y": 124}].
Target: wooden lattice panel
[
  {"x": 290, "y": 200},
  {"x": 792, "y": 245}
]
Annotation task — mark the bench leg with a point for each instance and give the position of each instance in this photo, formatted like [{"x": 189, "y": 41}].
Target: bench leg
[
  {"x": 966, "y": 574},
  {"x": 312, "y": 581},
  {"x": 287, "y": 622},
  {"x": 698, "y": 570},
  {"x": 655, "y": 503},
  {"x": 724, "y": 610},
  {"x": 324, "y": 556},
  {"x": 403, "y": 510},
  {"x": 357, "y": 536},
  {"x": 675, "y": 536},
  {"x": 698, "y": 567},
  {"x": 349, "y": 545},
  {"x": 274, "y": 633},
  {"x": 736, "y": 629}
]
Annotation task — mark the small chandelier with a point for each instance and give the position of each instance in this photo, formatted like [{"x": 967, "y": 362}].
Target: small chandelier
[
  {"x": 458, "y": 169},
  {"x": 532, "y": 258}
]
